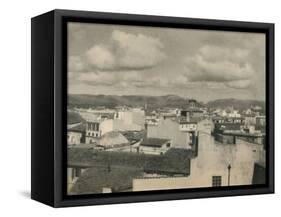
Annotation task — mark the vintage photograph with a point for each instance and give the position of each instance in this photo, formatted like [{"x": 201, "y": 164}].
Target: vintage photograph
[{"x": 152, "y": 108}]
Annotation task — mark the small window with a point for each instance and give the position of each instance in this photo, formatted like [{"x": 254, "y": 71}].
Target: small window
[
  {"x": 216, "y": 181},
  {"x": 168, "y": 145},
  {"x": 77, "y": 172}
]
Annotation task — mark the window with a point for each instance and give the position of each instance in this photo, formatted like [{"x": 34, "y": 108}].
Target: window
[
  {"x": 77, "y": 172},
  {"x": 168, "y": 145},
  {"x": 89, "y": 126},
  {"x": 216, "y": 181}
]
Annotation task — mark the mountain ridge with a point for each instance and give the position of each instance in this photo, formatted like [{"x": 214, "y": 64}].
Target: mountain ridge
[{"x": 169, "y": 100}]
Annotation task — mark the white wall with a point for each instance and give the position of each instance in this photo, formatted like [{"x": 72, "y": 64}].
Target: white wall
[
  {"x": 169, "y": 129},
  {"x": 15, "y": 105},
  {"x": 73, "y": 138},
  {"x": 212, "y": 160}
]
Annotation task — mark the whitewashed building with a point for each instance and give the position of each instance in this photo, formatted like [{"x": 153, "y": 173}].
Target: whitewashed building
[
  {"x": 155, "y": 146},
  {"x": 181, "y": 135},
  {"x": 216, "y": 164}
]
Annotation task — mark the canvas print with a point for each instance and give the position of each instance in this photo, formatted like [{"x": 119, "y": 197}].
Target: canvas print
[{"x": 152, "y": 108}]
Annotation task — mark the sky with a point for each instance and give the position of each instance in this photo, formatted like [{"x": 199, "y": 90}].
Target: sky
[{"x": 134, "y": 60}]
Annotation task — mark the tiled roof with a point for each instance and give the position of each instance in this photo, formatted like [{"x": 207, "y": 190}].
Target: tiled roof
[
  {"x": 133, "y": 136},
  {"x": 73, "y": 117},
  {"x": 112, "y": 138},
  {"x": 94, "y": 179},
  {"x": 228, "y": 126},
  {"x": 81, "y": 128},
  {"x": 116, "y": 170},
  {"x": 174, "y": 161},
  {"x": 188, "y": 122},
  {"x": 154, "y": 142}
]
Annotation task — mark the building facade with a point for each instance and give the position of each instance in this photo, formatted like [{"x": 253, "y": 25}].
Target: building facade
[
  {"x": 169, "y": 128},
  {"x": 92, "y": 131},
  {"x": 154, "y": 146},
  {"x": 216, "y": 165}
]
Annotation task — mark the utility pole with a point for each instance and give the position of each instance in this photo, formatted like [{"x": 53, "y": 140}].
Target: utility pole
[{"x": 228, "y": 168}]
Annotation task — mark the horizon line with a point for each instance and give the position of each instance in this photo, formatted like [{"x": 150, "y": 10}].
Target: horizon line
[{"x": 230, "y": 98}]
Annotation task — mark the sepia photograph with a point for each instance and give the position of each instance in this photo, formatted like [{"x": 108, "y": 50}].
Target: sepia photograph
[{"x": 158, "y": 108}]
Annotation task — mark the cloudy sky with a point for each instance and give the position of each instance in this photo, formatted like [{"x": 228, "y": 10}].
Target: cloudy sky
[{"x": 131, "y": 60}]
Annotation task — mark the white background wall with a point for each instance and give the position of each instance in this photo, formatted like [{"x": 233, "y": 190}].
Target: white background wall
[{"x": 15, "y": 106}]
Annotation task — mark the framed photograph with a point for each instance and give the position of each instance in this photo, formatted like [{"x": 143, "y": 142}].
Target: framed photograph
[{"x": 134, "y": 108}]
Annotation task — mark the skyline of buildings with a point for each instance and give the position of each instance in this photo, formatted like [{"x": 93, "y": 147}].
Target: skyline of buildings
[{"x": 171, "y": 148}]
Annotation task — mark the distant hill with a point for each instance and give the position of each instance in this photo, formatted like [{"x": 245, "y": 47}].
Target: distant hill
[
  {"x": 235, "y": 103},
  {"x": 154, "y": 102},
  {"x": 112, "y": 101}
]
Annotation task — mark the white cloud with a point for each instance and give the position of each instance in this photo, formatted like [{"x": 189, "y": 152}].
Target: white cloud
[
  {"x": 137, "y": 51},
  {"x": 214, "y": 85},
  {"x": 240, "y": 84},
  {"x": 101, "y": 77},
  {"x": 75, "y": 63},
  {"x": 217, "y": 64},
  {"x": 214, "y": 53},
  {"x": 126, "y": 51},
  {"x": 123, "y": 52},
  {"x": 101, "y": 57},
  {"x": 132, "y": 78},
  {"x": 97, "y": 78}
]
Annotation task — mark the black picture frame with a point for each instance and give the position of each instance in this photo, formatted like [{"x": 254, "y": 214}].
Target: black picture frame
[{"x": 49, "y": 101}]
